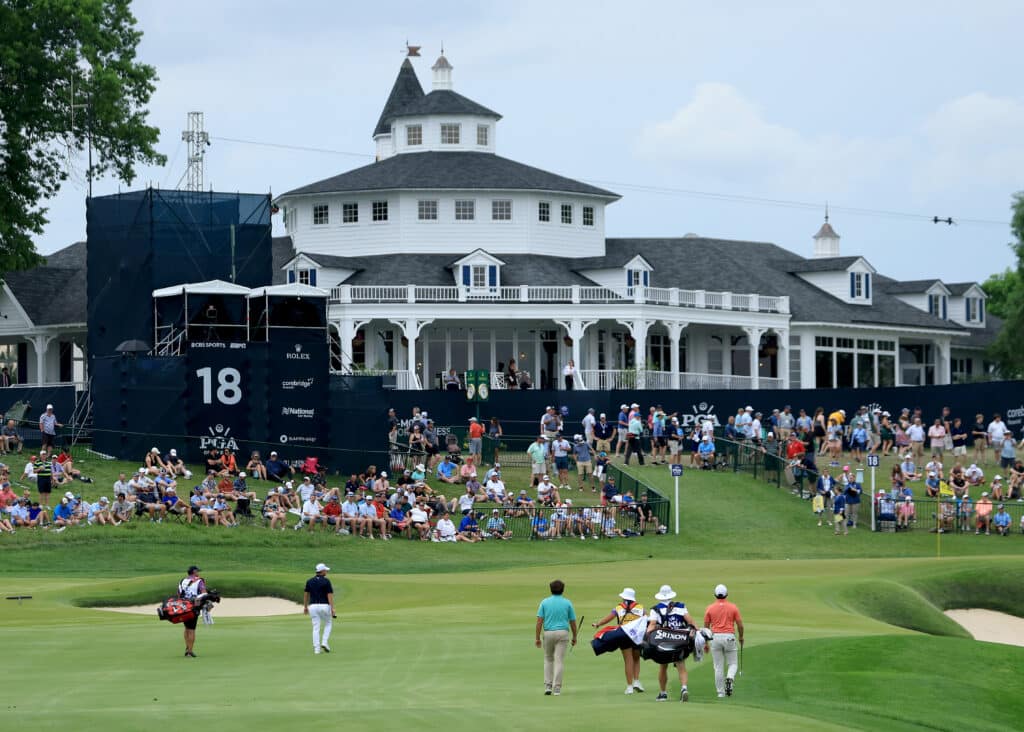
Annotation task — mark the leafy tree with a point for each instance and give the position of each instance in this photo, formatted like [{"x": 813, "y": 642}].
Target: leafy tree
[
  {"x": 999, "y": 287},
  {"x": 48, "y": 47},
  {"x": 1008, "y": 349}
]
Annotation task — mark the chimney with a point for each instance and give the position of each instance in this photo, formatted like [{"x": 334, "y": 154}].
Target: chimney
[{"x": 442, "y": 73}]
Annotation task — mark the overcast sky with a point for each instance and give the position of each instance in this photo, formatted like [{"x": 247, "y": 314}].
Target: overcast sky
[{"x": 911, "y": 108}]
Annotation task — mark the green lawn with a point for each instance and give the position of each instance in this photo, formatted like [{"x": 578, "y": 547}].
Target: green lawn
[{"x": 435, "y": 636}]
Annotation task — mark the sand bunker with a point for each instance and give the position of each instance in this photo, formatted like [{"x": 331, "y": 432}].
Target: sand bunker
[
  {"x": 229, "y": 607},
  {"x": 991, "y": 626}
]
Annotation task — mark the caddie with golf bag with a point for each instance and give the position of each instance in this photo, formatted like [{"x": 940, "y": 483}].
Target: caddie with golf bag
[
  {"x": 671, "y": 637},
  {"x": 192, "y": 600}
]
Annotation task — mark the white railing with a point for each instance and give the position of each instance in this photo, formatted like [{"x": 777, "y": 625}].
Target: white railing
[
  {"x": 769, "y": 382},
  {"x": 404, "y": 380},
  {"x": 605, "y": 379},
  {"x": 657, "y": 379},
  {"x": 575, "y": 294},
  {"x": 690, "y": 380}
]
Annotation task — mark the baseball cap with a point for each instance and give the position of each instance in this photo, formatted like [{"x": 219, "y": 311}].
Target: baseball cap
[
  {"x": 273, "y": 453},
  {"x": 383, "y": 474},
  {"x": 721, "y": 590},
  {"x": 421, "y": 466},
  {"x": 568, "y": 501},
  {"x": 69, "y": 495},
  {"x": 194, "y": 568},
  {"x": 322, "y": 567},
  {"x": 623, "y": 406},
  {"x": 497, "y": 465},
  {"x": 174, "y": 453},
  {"x": 242, "y": 474},
  {"x": 933, "y": 474},
  {"x": 603, "y": 416},
  {"x": 494, "y": 510},
  {"x": 998, "y": 477},
  {"x": 155, "y": 450},
  {"x": 984, "y": 493},
  {"x": 634, "y": 405},
  {"x": 170, "y": 489},
  {"x": 104, "y": 499},
  {"x": 49, "y": 406},
  {"x": 544, "y": 477},
  {"x": 472, "y": 419}
]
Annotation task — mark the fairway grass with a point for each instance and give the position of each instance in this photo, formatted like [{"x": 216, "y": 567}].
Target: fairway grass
[{"x": 842, "y": 632}]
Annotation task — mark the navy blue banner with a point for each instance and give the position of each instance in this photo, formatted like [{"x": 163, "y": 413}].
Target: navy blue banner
[
  {"x": 297, "y": 393},
  {"x": 217, "y": 395}
]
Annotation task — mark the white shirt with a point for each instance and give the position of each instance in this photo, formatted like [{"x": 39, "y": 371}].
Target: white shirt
[
  {"x": 311, "y": 508},
  {"x": 916, "y": 433},
  {"x": 418, "y": 516},
  {"x": 755, "y": 429},
  {"x": 122, "y": 487},
  {"x": 496, "y": 487},
  {"x": 974, "y": 475},
  {"x": 445, "y": 528},
  {"x": 305, "y": 491},
  {"x": 997, "y": 431},
  {"x": 544, "y": 489},
  {"x": 465, "y": 501},
  {"x": 29, "y": 471},
  {"x": 588, "y": 424}
]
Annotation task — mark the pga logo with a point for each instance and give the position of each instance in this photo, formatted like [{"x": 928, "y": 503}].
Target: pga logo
[
  {"x": 219, "y": 439},
  {"x": 297, "y": 355},
  {"x": 701, "y": 413}
]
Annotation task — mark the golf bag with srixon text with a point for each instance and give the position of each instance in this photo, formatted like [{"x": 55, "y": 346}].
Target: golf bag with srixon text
[
  {"x": 668, "y": 646},
  {"x": 179, "y": 610}
]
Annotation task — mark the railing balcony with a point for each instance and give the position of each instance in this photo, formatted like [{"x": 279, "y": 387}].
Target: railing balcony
[{"x": 548, "y": 294}]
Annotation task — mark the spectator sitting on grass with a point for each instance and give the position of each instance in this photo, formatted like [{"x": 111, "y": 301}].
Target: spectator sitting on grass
[
  {"x": 468, "y": 470},
  {"x": 203, "y": 507},
  {"x": 255, "y": 466},
  {"x": 38, "y": 515},
  {"x": 1016, "y": 487},
  {"x": 225, "y": 516},
  {"x": 274, "y": 512},
  {"x": 539, "y": 526},
  {"x": 909, "y": 469},
  {"x": 609, "y": 528},
  {"x": 706, "y": 452},
  {"x": 446, "y": 471},
  {"x": 146, "y": 499},
  {"x": 153, "y": 462},
  {"x": 19, "y": 513},
  {"x": 547, "y": 494},
  {"x": 419, "y": 519},
  {"x": 278, "y": 470},
  {"x": 63, "y": 514},
  {"x": 474, "y": 487},
  {"x": 10, "y": 437},
  {"x": 399, "y": 518},
  {"x": 609, "y": 491},
  {"x": 176, "y": 466},
  {"x": 886, "y": 507},
  {"x": 935, "y": 466},
  {"x": 523, "y": 504},
  {"x": 230, "y": 463},
  {"x": 496, "y": 527},
  {"x": 123, "y": 509},
  {"x": 1002, "y": 521},
  {"x": 469, "y": 528},
  {"x": 5, "y": 521},
  {"x": 906, "y": 512},
  {"x": 29, "y": 471},
  {"x": 445, "y": 531},
  {"x": 997, "y": 489},
  {"x": 495, "y": 489},
  {"x": 975, "y": 476},
  {"x": 99, "y": 512},
  {"x": 67, "y": 464},
  {"x": 7, "y": 496},
  {"x": 349, "y": 514}
]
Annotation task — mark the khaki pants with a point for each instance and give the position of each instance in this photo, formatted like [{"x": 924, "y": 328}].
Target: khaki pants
[
  {"x": 604, "y": 446},
  {"x": 723, "y": 653},
  {"x": 555, "y": 643}
]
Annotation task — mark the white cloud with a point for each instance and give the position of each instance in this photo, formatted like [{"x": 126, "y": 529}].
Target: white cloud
[
  {"x": 723, "y": 131},
  {"x": 974, "y": 139}
]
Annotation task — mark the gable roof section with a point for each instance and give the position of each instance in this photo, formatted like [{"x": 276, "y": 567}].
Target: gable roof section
[
  {"x": 981, "y": 338},
  {"x": 435, "y": 170},
  {"x": 478, "y": 255},
  {"x": 908, "y": 287},
  {"x": 282, "y": 252},
  {"x": 958, "y": 289},
  {"x": 405, "y": 90},
  {"x": 55, "y": 293},
  {"x": 823, "y": 264},
  {"x": 443, "y": 101}
]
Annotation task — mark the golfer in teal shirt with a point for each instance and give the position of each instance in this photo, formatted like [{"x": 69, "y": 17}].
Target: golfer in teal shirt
[{"x": 556, "y": 617}]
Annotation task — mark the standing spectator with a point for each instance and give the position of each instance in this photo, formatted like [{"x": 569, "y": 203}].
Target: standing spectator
[
  {"x": 853, "y": 493},
  {"x": 511, "y": 375},
  {"x": 979, "y": 437},
  {"x": 1008, "y": 452},
  {"x": 622, "y": 430},
  {"x": 48, "y": 425},
  {"x": 495, "y": 433},
  {"x": 555, "y": 617},
  {"x": 996, "y": 432},
  {"x": 560, "y": 450},
  {"x": 839, "y": 510},
  {"x": 571, "y": 375},
  {"x": 633, "y": 444},
  {"x": 937, "y": 438},
  {"x": 886, "y": 434},
  {"x": 723, "y": 617},
  {"x": 5, "y": 378},
  {"x": 43, "y": 470},
  {"x": 476, "y": 440},
  {"x": 588, "y": 422},
  {"x": 10, "y": 438},
  {"x": 859, "y": 437},
  {"x": 959, "y": 435},
  {"x": 318, "y": 604},
  {"x": 916, "y": 434},
  {"x": 583, "y": 453},
  {"x": 786, "y": 423},
  {"x": 604, "y": 431},
  {"x": 537, "y": 452}
]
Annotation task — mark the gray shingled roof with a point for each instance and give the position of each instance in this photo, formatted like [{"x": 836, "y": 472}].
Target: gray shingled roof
[
  {"x": 282, "y": 252},
  {"x": 823, "y": 264},
  {"x": 959, "y": 288},
  {"x": 981, "y": 337},
  {"x": 56, "y": 292},
  {"x": 435, "y": 170},
  {"x": 443, "y": 101},
  {"x": 405, "y": 90},
  {"x": 904, "y": 287}
]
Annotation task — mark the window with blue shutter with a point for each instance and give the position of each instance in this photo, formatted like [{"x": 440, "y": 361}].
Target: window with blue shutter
[
  {"x": 867, "y": 285},
  {"x": 853, "y": 285},
  {"x": 981, "y": 310},
  {"x": 465, "y": 276},
  {"x": 944, "y": 307},
  {"x": 967, "y": 310},
  {"x": 312, "y": 277},
  {"x": 492, "y": 275},
  {"x": 291, "y": 276}
]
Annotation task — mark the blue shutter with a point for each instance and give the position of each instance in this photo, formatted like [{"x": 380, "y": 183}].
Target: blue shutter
[
  {"x": 629, "y": 278},
  {"x": 492, "y": 275},
  {"x": 967, "y": 310},
  {"x": 944, "y": 307},
  {"x": 853, "y": 285},
  {"x": 647, "y": 279},
  {"x": 867, "y": 285},
  {"x": 312, "y": 277},
  {"x": 291, "y": 276},
  {"x": 465, "y": 275},
  {"x": 981, "y": 310}
]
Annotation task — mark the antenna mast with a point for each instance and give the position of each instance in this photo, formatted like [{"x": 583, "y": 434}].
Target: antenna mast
[{"x": 198, "y": 140}]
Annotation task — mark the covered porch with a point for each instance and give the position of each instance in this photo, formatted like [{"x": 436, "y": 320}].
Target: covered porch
[{"x": 609, "y": 353}]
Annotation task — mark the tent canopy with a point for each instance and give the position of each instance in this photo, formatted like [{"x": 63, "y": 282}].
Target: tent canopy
[
  {"x": 292, "y": 290},
  {"x": 211, "y": 287}
]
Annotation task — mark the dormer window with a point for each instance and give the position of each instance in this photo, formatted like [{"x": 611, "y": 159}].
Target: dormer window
[
  {"x": 450, "y": 134},
  {"x": 413, "y": 135},
  {"x": 937, "y": 305},
  {"x": 302, "y": 276},
  {"x": 860, "y": 285},
  {"x": 479, "y": 273},
  {"x": 482, "y": 135},
  {"x": 974, "y": 309}
]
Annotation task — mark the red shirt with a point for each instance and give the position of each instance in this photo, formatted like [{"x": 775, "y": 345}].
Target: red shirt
[
  {"x": 333, "y": 508},
  {"x": 721, "y": 615},
  {"x": 476, "y": 430},
  {"x": 795, "y": 450}
]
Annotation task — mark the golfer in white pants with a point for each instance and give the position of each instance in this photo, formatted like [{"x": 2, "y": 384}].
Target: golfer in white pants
[
  {"x": 723, "y": 617},
  {"x": 318, "y": 604}
]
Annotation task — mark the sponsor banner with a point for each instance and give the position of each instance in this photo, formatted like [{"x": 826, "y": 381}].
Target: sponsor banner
[
  {"x": 217, "y": 394},
  {"x": 297, "y": 394}
]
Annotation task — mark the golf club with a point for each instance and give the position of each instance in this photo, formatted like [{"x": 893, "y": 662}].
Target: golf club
[
  {"x": 579, "y": 624},
  {"x": 740, "y": 673}
]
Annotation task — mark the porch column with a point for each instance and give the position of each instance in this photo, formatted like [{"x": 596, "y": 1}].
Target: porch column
[
  {"x": 347, "y": 329},
  {"x": 638, "y": 328},
  {"x": 575, "y": 329},
  {"x": 943, "y": 370},
  {"x": 40, "y": 343},
  {"x": 675, "y": 331},
  {"x": 411, "y": 328},
  {"x": 782, "y": 334},
  {"x": 754, "y": 340}
]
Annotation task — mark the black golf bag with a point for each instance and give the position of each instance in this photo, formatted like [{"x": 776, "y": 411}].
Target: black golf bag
[{"x": 665, "y": 646}]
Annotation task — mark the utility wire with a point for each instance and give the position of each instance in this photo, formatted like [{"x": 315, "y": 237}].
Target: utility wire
[{"x": 667, "y": 191}]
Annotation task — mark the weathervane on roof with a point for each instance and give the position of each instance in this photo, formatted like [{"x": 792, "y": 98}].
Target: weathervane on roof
[
  {"x": 826, "y": 212},
  {"x": 411, "y": 51}
]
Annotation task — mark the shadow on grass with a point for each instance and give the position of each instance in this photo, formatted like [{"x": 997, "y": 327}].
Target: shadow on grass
[{"x": 917, "y": 601}]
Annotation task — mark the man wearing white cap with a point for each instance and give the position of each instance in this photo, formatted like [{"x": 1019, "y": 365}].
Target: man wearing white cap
[
  {"x": 318, "y": 604},
  {"x": 48, "y": 425},
  {"x": 671, "y": 616},
  {"x": 721, "y": 616},
  {"x": 624, "y": 612}
]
